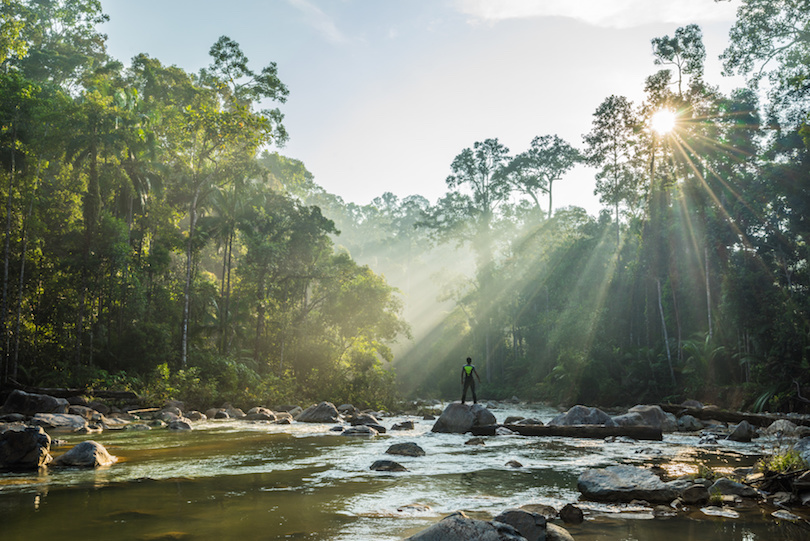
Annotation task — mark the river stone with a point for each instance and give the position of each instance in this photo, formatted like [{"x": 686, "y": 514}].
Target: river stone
[
  {"x": 260, "y": 414},
  {"x": 514, "y": 464},
  {"x": 687, "y": 423},
  {"x": 627, "y": 483},
  {"x": 31, "y": 403},
  {"x": 360, "y": 430},
  {"x": 557, "y": 533},
  {"x": 387, "y": 465},
  {"x": 180, "y": 424},
  {"x": 781, "y": 427},
  {"x": 512, "y": 419},
  {"x": 168, "y": 416},
  {"x": 743, "y": 432},
  {"x": 458, "y": 418},
  {"x": 195, "y": 415},
  {"x": 530, "y": 525},
  {"x": 24, "y": 448},
  {"x": 363, "y": 419},
  {"x": 87, "y": 454},
  {"x": 727, "y": 487},
  {"x": 460, "y": 527},
  {"x": 571, "y": 514},
  {"x": 221, "y": 414},
  {"x": 60, "y": 422},
  {"x": 582, "y": 415},
  {"x": 138, "y": 426},
  {"x": 406, "y": 449},
  {"x": 656, "y": 417},
  {"x": 325, "y": 412},
  {"x": 404, "y": 425},
  {"x": 211, "y": 413}
]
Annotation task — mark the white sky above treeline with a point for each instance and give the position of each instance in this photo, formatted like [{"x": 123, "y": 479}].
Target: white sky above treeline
[{"x": 384, "y": 94}]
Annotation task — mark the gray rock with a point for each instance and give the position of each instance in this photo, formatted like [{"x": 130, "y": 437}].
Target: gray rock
[
  {"x": 627, "y": 483},
  {"x": 459, "y": 418},
  {"x": 514, "y": 464},
  {"x": 743, "y": 432},
  {"x": 582, "y": 415},
  {"x": 512, "y": 419},
  {"x": 24, "y": 448},
  {"x": 138, "y": 426},
  {"x": 459, "y": 527},
  {"x": 406, "y": 449},
  {"x": 221, "y": 414},
  {"x": 782, "y": 427},
  {"x": 195, "y": 415},
  {"x": 60, "y": 422},
  {"x": 212, "y": 412},
  {"x": 404, "y": 425},
  {"x": 360, "y": 430},
  {"x": 387, "y": 465},
  {"x": 653, "y": 416},
  {"x": 727, "y": 487},
  {"x": 87, "y": 454},
  {"x": 379, "y": 428},
  {"x": 363, "y": 419},
  {"x": 180, "y": 424},
  {"x": 260, "y": 414},
  {"x": 347, "y": 409},
  {"x": 531, "y": 526},
  {"x": 100, "y": 407},
  {"x": 687, "y": 423},
  {"x": 30, "y": 403},
  {"x": 325, "y": 412},
  {"x": 557, "y": 533}
]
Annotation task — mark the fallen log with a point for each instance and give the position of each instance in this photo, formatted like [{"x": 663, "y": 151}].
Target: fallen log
[
  {"x": 577, "y": 431},
  {"x": 735, "y": 417},
  {"x": 62, "y": 392}
]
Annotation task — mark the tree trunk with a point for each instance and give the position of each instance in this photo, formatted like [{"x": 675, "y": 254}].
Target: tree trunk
[
  {"x": 6, "y": 256},
  {"x": 664, "y": 330},
  {"x": 708, "y": 290},
  {"x": 187, "y": 288}
]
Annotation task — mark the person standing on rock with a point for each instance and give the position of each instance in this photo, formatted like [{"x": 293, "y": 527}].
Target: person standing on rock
[{"x": 467, "y": 373}]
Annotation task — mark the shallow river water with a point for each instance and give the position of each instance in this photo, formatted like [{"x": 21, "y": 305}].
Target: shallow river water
[{"x": 241, "y": 480}]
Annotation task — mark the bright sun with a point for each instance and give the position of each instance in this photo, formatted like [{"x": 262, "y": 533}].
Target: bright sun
[{"x": 663, "y": 121}]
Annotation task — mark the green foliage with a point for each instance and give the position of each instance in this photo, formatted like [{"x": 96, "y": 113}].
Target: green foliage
[{"x": 782, "y": 461}]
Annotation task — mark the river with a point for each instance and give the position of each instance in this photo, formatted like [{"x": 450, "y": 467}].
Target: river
[{"x": 243, "y": 481}]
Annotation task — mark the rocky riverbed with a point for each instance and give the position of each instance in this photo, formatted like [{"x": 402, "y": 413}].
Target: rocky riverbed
[{"x": 272, "y": 460}]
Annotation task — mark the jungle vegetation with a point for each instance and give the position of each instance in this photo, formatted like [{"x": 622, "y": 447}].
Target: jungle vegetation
[{"x": 155, "y": 237}]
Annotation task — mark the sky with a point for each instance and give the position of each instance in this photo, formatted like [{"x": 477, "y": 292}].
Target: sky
[{"x": 385, "y": 93}]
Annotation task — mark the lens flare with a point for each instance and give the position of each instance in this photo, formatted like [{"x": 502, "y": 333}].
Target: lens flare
[{"x": 663, "y": 121}]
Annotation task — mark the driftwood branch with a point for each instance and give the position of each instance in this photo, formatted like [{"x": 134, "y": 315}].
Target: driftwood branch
[{"x": 576, "y": 431}]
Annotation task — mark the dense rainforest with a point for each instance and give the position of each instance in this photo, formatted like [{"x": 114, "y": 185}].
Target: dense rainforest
[{"x": 156, "y": 239}]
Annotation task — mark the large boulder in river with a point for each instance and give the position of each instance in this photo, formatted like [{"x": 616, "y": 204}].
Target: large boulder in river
[
  {"x": 653, "y": 416},
  {"x": 460, "y": 527},
  {"x": 61, "y": 422},
  {"x": 24, "y": 448},
  {"x": 627, "y": 483},
  {"x": 408, "y": 448},
  {"x": 30, "y": 403},
  {"x": 325, "y": 412},
  {"x": 582, "y": 415},
  {"x": 458, "y": 418},
  {"x": 743, "y": 432},
  {"x": 87, "y": 454}
]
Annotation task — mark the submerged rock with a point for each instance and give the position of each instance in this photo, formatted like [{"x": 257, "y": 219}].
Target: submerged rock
[
  {"x": 360, "y": 430},
  {"x": 87, "y": 454},
  {"x": 387, "y": 465}
]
